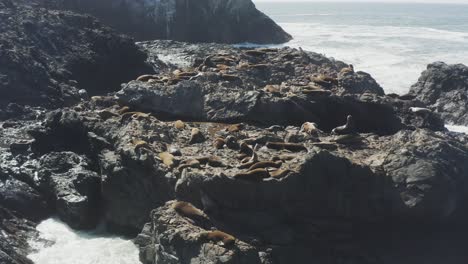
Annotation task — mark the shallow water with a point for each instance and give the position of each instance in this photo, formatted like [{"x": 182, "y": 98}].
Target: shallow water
[
  {"x": 73, "y": 247},
  {"x": 393, "y": 42}
]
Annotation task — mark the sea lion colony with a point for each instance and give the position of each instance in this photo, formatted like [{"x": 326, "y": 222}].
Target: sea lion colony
[{"x": 247, "y": 165}]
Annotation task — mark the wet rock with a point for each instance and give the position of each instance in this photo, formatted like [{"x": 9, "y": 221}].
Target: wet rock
[
  {"x": 169, "y": 231},
  {"x": 444, "y": 89},
  {"x": 72, "y": 188}
]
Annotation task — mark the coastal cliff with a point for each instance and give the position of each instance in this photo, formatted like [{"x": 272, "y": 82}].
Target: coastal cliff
[{"x": 223, "y": 21}]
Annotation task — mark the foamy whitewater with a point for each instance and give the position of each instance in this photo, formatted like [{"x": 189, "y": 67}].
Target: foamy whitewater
[
  {"x": 72, "y": 247},
  {"x": 393, "y": 42}
]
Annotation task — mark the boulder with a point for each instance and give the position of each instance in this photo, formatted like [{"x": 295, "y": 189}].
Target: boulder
[
  {"x": 71, "y": 52},
  {"x": 444, "y": 89},
  {"x": 72, "y": 188}
]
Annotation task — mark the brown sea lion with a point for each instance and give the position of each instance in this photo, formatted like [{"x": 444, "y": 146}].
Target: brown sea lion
[
  {"x": 253, "y": 175},
  {"x": 219, "y": 143},
  {"x": 309, "y": 128},
  {"x": 255, "y": 53},
  {"x": 249, "y": 161},
  {"x": 219, "y": 236},
  {"x": 191, "y": 163},
  {"x": 266, "y": 164},
  {"x": 146, "y": 77},
  {"x": 196, "y": 136},
  {"x": 167, "y": 159},
  {"x": 138, "y": 144},
  {"x": 245, "y": 148},
  {"x": 278, "y": 174},
  {"x": 179, "y": 124},
  {"x": 294, "y": 147},
  {"x": 235, "y": 128}
]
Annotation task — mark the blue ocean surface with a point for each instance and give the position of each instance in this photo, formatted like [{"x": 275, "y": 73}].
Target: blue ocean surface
[{"x": 392, "y": 41}]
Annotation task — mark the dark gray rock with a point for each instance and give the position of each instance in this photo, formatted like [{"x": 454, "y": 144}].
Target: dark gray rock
[
  {"x": 232, "y": 21},
  {"x": 71, "y": 52},
  {"x": 267, "y": 86},
  {"x": 15, "y": 233},
  {"x": 72, "y": 188},
  {"x": 444, "y": 89}
]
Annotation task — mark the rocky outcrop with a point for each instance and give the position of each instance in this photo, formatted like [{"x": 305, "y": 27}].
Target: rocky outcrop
[
  {"x": 444, "y": 89},
  {"x": 234, "y": 155},
  {"x": 228, "y": 21},
  {"x": 56, "y": 58},
  {"x": 270, "y": 87}
]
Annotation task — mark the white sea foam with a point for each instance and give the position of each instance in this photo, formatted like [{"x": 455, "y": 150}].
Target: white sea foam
[
  {"x": 73, "y": 247},
  {"x": 395, "y": 56},
  {"x": 459, "y": 129}
]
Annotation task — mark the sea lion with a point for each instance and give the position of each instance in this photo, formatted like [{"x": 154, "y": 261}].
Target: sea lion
[
  {"x": 191, "y": 163},
  {"x": 123, "y": 110},
  {"x": 219, "y": 143},
  {"x": 179, "y": 124},
  {"x": 213, "y": 161},
  {"x": 255, "y": 53},
  {"x": 249, "y": 161},
  {"x": 346, "y": 70},
  {"x": 348, "y": 128},
  {"x": 134, "y": 115},
  {"x": 273, "y": 89},
  {"x": 174, "y": 151},
  {"x": 186, "y": 209},
  {"x": 348, "y": 139},
  {"x": 222, "y": 67},
  {"x": 230, "y": 77},
  {"x": 325, "y": 81},
  {"x": 253, "y": 175},
  {"x": 309, "y": 128},
  {"x": 278, "y": 174},
  {"x": 260, "y": 66},
  {"x": 420, "y": 110},
  {"x": 231, "y": 142},
  {"x": 245, "y": 148},
  {"x": 294, "y": 147},
  {"x": 266, "y": 164},
  {"x": 219, "y": 236},
  {"x": 196, "y": 136},
  {"x": 146, "y": 77},
  {"x": 235, "y": 128},
  {"x": 167, "y": 159},
  {"x": 138, "y": 144}
]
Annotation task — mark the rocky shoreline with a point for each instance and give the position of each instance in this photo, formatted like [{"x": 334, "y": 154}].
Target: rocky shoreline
[{"x": 209, "y": 153}]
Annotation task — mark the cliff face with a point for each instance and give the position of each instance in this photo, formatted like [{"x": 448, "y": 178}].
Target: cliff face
[{"x": 223, "y": 21}]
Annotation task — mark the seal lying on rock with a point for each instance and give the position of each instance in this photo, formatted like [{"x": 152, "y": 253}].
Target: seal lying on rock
[
  {"x": 294, "y": 147},
  {"x": 348, "y": 128},
  {"x": 309, "y": 128},
  {"x": 253, "y": 175},
  {"x": 189, "y": 211},
  {"x": 219, "y": 236},
  {"x": 266, "y": 164}
]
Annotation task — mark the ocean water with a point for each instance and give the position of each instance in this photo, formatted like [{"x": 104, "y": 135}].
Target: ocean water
[
  {"x": 68, "y": 246},
  {"x": 392, "y": 41}
]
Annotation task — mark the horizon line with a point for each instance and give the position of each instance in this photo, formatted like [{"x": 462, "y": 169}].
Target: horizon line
[{"x": 363, "y": 1}]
